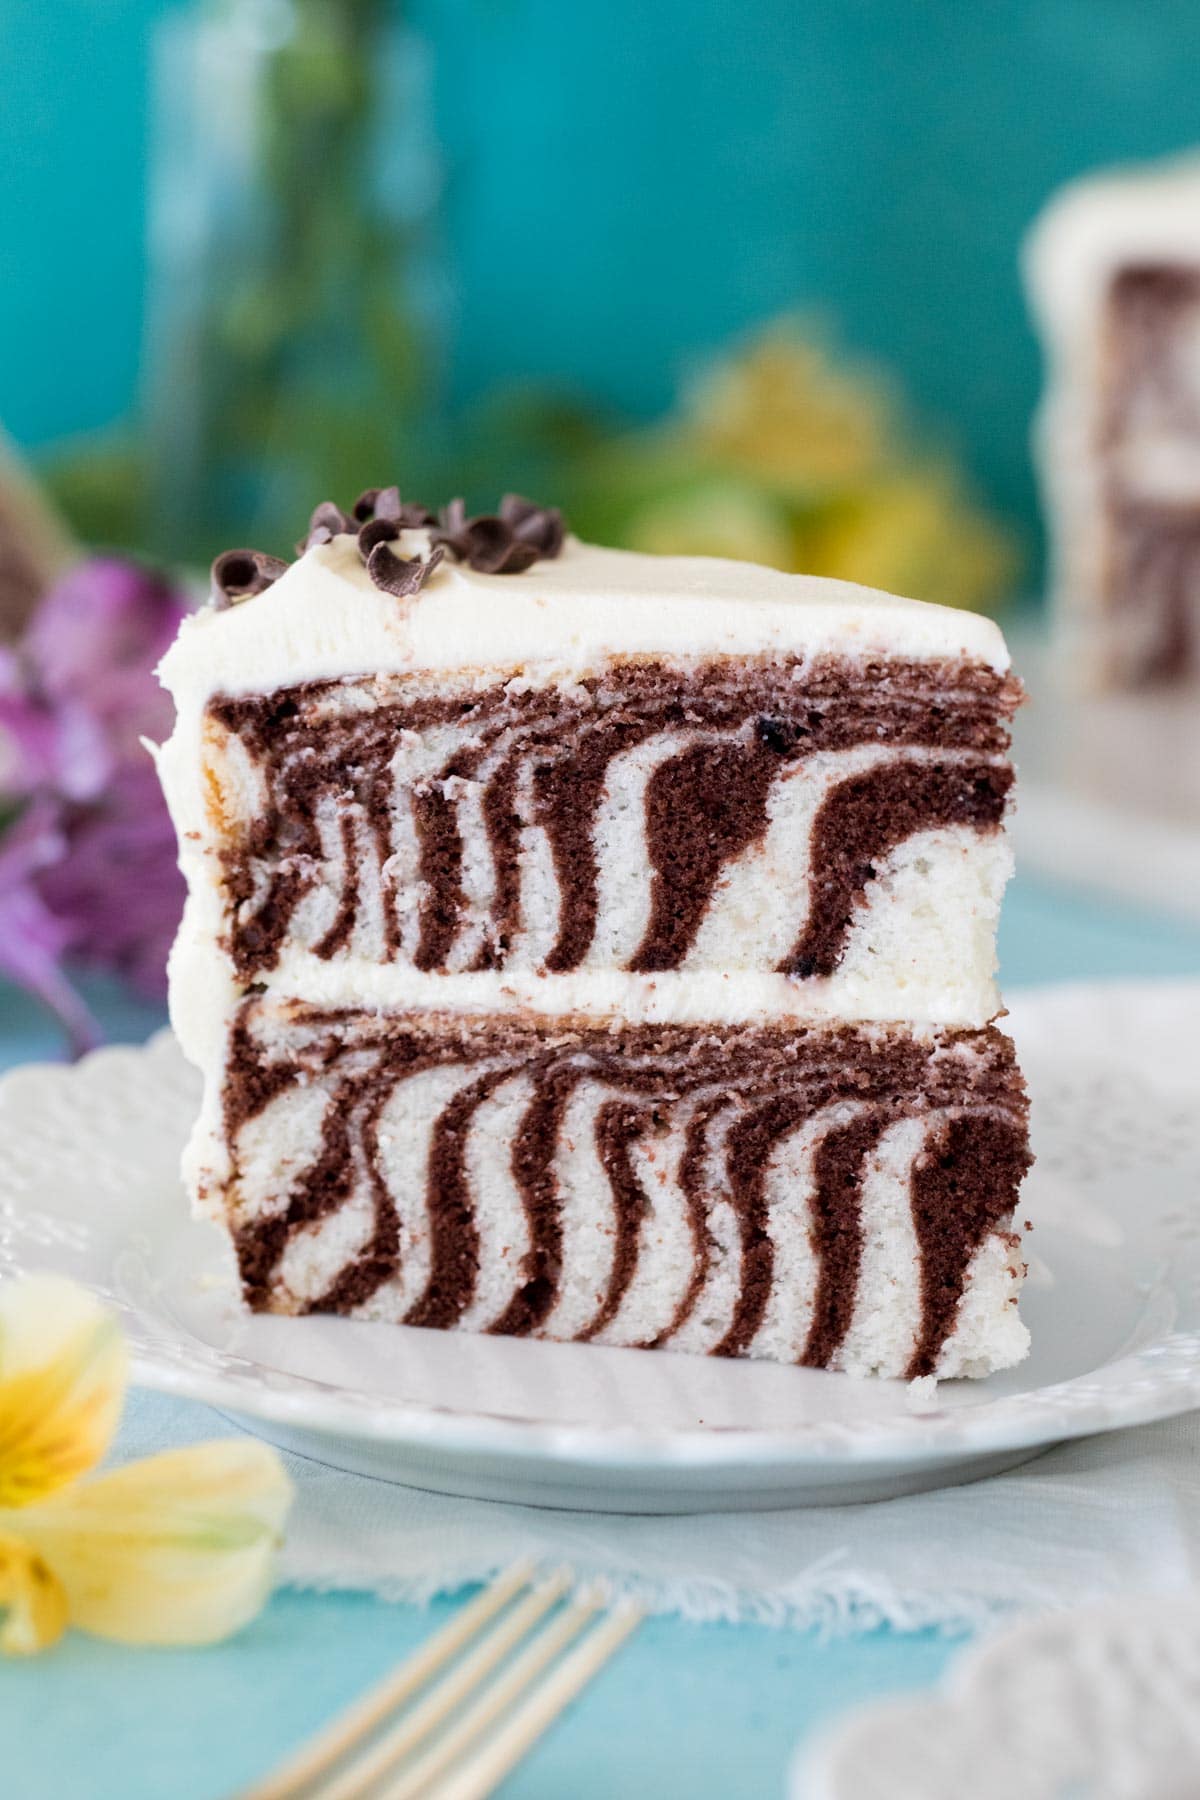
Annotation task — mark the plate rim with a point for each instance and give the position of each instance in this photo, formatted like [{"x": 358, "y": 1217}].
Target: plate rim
[{"x": 916, "y": 1439}]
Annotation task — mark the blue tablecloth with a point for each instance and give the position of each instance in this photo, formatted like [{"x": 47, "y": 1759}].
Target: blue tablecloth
[{"x": 713, "y": 1711}]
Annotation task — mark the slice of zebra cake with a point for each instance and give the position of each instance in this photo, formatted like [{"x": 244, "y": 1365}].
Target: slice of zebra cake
[{"x": 599, "y": 946}]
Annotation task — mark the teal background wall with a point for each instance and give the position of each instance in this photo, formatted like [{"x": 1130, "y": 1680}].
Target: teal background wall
[{"x": 630, "y": 181}]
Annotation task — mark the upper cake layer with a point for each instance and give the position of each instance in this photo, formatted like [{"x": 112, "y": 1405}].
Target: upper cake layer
[
  {"x": 821, "y": 811},
  {"x": 836, "y": 826}
]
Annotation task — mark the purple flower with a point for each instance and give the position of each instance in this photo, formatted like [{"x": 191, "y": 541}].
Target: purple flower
[
  {"x": 87, "y": 853},
  {"x": 95, "y": 642},
  {"x": 116, "y": 886},
  {"x": 33, "y": 939},
  {"x": 46, "y": 746}
]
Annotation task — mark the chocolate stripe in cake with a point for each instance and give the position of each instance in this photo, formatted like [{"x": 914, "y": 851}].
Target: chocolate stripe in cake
[
  {"x": 837, "y": 1232},
  {"x": 866, "y": 816},
  {"x": 621, "y": 1142},
  {"x": 592, "y": 824}
]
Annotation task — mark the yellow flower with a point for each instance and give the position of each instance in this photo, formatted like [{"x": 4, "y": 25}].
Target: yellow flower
[
  {"x": 914, "y": 532},
  {"x": 33, "y": 1602},
  {"x": 780, "y": 409},
  {"x": 176, "y": 1549},
  {"x": 717, "y": 518}
]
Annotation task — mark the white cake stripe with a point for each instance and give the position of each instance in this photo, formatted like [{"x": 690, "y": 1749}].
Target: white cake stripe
[
  {"x": 588, "y": 1218},
  {"x": 789, "y": 1188},
  {"x": 622, "y": 856},
  {"x": 402, "y": 1134},
  {"x": 500, "y": 1211},
  {"x": 887, "y": 1306},
  {"x": 666, "y": 1251}
]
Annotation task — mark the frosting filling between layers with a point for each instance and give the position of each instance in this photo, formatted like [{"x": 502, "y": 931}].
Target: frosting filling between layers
[{"x": 720, "y": 1191}]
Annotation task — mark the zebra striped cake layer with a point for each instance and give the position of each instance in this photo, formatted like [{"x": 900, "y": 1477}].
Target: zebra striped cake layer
[
  {"x": 729, "y": 816},
  {"x": 839, "y": 1197}
]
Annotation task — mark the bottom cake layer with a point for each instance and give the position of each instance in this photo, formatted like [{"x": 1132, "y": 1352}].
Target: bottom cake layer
[{"x": 837, "y": 1197}]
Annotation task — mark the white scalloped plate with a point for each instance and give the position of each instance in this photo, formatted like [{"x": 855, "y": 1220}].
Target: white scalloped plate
[{"x": 89, "y": 1187}]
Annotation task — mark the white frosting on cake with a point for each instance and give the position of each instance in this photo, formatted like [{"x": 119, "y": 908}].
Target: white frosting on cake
[{"x": 559, "y": 620}]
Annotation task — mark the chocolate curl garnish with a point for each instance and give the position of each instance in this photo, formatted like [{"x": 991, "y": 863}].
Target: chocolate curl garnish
[
  {"x": 541, "y": 526},
  {"x": 364, "y": 507},
  {"x": 503, "y": 543},
  {"x": 401, "y": 575},
  {"x": 376, "y": 531},
  {"x": 385, "y": 503},
  {"x": 237, "y": 574},
  {"x": 452, "y": 524},
  {"x": 485, "y": 543},
  {"x": 327, "y": 522}
]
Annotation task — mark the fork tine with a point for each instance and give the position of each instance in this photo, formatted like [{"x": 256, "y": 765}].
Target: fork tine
[
  {"x": 495, "y": 1698},
  {"x": 480, "y": 1776},
  {"x": 352, "y": 1725},
  {"x": 459, "y": 1681}
]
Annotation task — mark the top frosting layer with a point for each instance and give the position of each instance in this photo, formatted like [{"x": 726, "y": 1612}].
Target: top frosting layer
[{"x": 324, "y": 618}]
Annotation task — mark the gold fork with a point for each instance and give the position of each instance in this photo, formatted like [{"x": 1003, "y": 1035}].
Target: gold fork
[{"x": 406, "y": 1739}]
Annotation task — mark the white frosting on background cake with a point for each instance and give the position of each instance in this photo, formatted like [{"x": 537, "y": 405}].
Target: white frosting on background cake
[
  {"x": 1094, "y": 227},
  {"x": 324, "y": 618}
]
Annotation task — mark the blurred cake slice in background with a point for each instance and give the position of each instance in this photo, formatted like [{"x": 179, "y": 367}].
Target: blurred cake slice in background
[
  {"x": 1113, "y": 272},
  {"x": 599, "y": 946}
]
